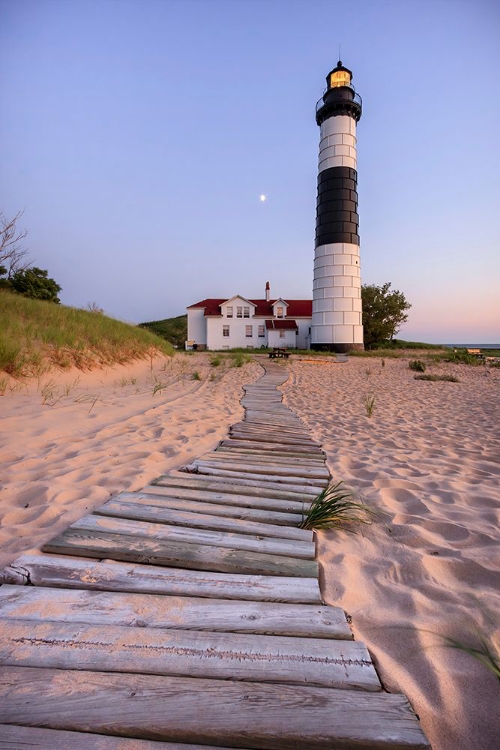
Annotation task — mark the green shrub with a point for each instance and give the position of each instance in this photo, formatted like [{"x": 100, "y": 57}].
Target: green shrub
[{"x": 417, "y": 365}]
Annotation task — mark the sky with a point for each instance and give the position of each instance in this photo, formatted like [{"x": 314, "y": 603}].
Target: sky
[{"x": 138, "y": 135}]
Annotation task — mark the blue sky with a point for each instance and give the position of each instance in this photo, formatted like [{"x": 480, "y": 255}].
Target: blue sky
[{"x": 137, "y": 135}]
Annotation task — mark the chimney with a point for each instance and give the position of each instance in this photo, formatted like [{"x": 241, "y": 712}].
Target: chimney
[{"x": 268, "y": 291}]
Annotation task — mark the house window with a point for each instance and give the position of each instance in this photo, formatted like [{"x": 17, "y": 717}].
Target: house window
[
  {"x": 225, "y": 331},
  {"x": 262, "y": 331},
  {"x": 229, "y": 312},
  {"x": 248, "y": 332},
  {"x": 239, "y": 312},
  {"x": 246, "y": 312},
  {"x": 282, "y": 333},
  {"x": 279, "y": 312}
]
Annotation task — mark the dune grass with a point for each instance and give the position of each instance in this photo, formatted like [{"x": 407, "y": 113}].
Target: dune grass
[
  {"x": 36, "y": 336},
  {"x": 437, "y": 378},
  {"x": 335, "y": 508}
]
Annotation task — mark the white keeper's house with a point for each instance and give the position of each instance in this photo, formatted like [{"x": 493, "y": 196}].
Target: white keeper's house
[{"x": 239, "y": 322}]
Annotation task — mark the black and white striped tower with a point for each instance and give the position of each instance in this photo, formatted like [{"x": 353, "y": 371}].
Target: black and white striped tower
[{"x": 336, "y": 312}]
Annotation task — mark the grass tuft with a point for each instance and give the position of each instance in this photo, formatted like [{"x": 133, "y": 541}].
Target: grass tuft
[
  {"x": 435, "y": 378},
  {"x": 335, "y": 508},
  {"x": 369, "y": 404}
]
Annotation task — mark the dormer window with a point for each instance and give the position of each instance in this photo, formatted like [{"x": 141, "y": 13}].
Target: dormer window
[
  {"x": 229, "y": 312},
  {"x": 246, "y": 312},
  {"x": 279, "y": 312},
  {"x": 239, "y": 312}
]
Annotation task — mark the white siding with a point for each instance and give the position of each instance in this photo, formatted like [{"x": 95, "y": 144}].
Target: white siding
[{"x": 197, "y": 329}]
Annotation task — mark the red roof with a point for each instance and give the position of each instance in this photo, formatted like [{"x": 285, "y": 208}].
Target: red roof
[
  {"x": 280, "y": 324},
  {"x": 298, "y": 308}
]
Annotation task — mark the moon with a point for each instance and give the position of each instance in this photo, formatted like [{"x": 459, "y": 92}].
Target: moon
[{"x": 262, "y": 198}]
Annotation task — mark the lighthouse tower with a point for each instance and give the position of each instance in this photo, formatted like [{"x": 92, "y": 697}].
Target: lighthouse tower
[{"x": 336, "y": 311}]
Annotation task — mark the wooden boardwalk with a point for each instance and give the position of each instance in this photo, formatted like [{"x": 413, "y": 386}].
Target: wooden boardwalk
[{"x": 189, "y": 615}]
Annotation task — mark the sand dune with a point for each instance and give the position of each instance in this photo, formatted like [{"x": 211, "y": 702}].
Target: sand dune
[{"x": 429, "y": 459}]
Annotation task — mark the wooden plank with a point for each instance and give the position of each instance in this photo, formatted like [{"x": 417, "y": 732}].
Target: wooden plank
[
  {"x": 264, "y": 477},
  {"x": 67, "y": 572},
  {"x": 234, "y": 486},
  {"x": 165, "y": 533},
  {"x": 177, "y": 554},
  {"x": 236, "y": 656},
  {"x": 257, "y": 425},
  {"x": 260, "y": 467},
  {"x": 181, "y": 613},
  {"x": 256, "y": 453},
  {"x": 224, "y": 454},
  {"x": 263, "y": 437},
  {"x": 257, "y": 499},
  {"x": 36, "y": 738},
  {"x": 288, "y": 449},
  {"x": 208, "y": 711},
  {"x": 155, "y": 514},
  {"x": 203, "y": 505}
]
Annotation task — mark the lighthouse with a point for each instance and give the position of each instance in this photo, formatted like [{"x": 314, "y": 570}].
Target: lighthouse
[{"x": 336, "y": 311}]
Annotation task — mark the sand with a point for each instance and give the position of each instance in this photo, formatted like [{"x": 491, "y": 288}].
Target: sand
[
  {"x": 428, "y": 458},
  {"x": 71, "y": 440}
]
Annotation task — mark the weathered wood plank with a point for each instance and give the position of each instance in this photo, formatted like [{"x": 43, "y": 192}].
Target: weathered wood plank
[
  {"x": 268, "y": 469},
  {"x": 229, "y": 499},
  {"x": 180, "y": 613},
  {"x": 279, "y": 479},
  {"x": 257, "y": 425},
  {"x": 234, "y": 486},
  {"x": 128, "y": 509},
  {"x": 287, "y": 449},
  {"x": 35, "y": 738},
  {"x": 247, "y": 456},
  {"x": 235, "y": 656},
  {"x": 68, "y": 572},
  {"x": 301, "y": 443},
  {"x": 166, "y": 533},
  {"x": 203, "y": 505},
  {"x": 177, "y": 554},
  {"x": 209, "y": 711}
]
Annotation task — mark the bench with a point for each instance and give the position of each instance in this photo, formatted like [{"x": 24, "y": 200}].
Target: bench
[
  {"x": 474, "y": 352},
  {"x": 276, "y": 352}
]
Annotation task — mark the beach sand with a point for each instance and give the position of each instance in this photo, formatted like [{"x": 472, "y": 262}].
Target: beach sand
[
  {"x": 61, "y": 459},
  {"x": 428, "y": 458}
]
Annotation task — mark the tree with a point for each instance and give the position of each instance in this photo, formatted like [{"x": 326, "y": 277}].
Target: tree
[
  {"x": 383, "y": 312},
  {"x": 12, "y": 253},
  {"x": 35, "y": 283}
]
